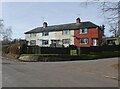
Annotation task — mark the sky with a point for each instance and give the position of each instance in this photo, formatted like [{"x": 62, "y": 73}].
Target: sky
[{"x": 24, "y": 16}]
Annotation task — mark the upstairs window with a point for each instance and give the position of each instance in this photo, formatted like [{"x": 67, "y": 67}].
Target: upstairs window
[
  {"x": 45, "y": 42},
  {"x": 83, "y": 31},
  {"x": 33, "y": 35},
  {"x": 66, "y": 41},
  {"x": 32, "y": 42},
  {"x": 45, "y": 33},
  {"x": 84, "y": 41},
  {"x": 66, "y": 32}
]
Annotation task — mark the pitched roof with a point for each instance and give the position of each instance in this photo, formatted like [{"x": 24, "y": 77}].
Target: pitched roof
[{"x": 61, "y": 27}]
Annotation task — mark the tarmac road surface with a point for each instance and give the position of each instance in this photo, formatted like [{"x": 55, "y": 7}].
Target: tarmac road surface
[{"x": 92, "y": 73}]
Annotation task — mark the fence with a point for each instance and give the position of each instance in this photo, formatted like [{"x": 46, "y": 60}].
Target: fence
[
  {"x": 109, "y": 48},
  {"x": 45, "y": 50},
  {"x": 69, "y": 50}
]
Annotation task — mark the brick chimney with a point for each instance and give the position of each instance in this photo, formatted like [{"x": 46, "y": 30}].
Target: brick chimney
[
  {"x": 78, "y": 20},
  {"x": 44, "y": 24}
]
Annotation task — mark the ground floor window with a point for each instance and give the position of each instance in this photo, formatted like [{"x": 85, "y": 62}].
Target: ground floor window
[
  {"x": 66, "y": 41},
  {"x": 32, "y": 42},
  {"x": 84, "y": 41},
  {"x": 45, "y": 42}
]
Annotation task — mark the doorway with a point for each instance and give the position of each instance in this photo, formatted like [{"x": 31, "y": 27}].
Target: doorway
[{"x": 94, "y": 42}]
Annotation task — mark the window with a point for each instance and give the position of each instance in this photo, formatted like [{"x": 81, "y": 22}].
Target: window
[
  {"x": 32, "y": 34},
  {"x": 45, "y": 42},
  {"x": 33, "y": 42},
  {"x": 84, "y": 41},
  {"x": 66, "y": 41},
  {"x": 45, "y": 33},
  {"x": 83, "y": 31},
  {"x": 66, "y": 32}
]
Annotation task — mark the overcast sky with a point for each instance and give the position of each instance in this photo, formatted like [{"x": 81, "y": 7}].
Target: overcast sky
[{"x": 23, "y": 16}]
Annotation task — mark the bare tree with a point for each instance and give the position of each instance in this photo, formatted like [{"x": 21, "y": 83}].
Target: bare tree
[
  {"x": 118, "y": 18},
  {"x": 5, "y": 33},
  {"x": 1, "y": 26},
  {"x": 111, "y": 11}
]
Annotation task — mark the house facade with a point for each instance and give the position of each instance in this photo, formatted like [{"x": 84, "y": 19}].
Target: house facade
[
  {"x": 80, "y": 34},
  {"x": 87, "y": 37}
]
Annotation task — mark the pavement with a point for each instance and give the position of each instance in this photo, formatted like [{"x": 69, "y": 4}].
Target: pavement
[{"x": 88, "y": 73}]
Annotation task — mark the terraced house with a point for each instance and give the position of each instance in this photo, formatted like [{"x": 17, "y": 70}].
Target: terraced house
[{"x": 80, "y": 34}]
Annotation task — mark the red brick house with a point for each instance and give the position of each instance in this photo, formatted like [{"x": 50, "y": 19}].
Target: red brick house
[
  {"x": 80, "y": 34},
  {"x": 86, "y": 37}
]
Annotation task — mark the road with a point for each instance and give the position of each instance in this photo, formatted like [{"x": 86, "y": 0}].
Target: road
[{"x": 93, "y": 73}]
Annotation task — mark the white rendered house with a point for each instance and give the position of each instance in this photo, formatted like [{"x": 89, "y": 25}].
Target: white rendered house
[{"x": 81, "y": 34}]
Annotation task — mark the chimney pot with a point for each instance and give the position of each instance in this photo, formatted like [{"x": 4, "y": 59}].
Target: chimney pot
[
  {"x": 78, "y": 20},
  {"x": 44, "y": 24}
]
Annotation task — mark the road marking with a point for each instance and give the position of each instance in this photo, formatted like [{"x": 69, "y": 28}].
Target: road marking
[{"x": 112, "y": 77}]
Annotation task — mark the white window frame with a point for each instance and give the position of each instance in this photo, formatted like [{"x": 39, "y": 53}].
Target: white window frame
[
  {"x": 83, "y": 31},
  {"x": 45, "y": 33},
  {"x": 66, "y": 41},
  {"x": 45, "y": 42},
  {"x": 85, "y": 40},
  {"x": 66, "y": 32},
  {"x": 32, "y": 42},
  {"x": 32, "y": 34}
]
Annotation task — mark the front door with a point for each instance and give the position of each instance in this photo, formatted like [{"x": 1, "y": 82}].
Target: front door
[
  {"x": 53, "y": 42},
  {"x": 94, "y": 42}
]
